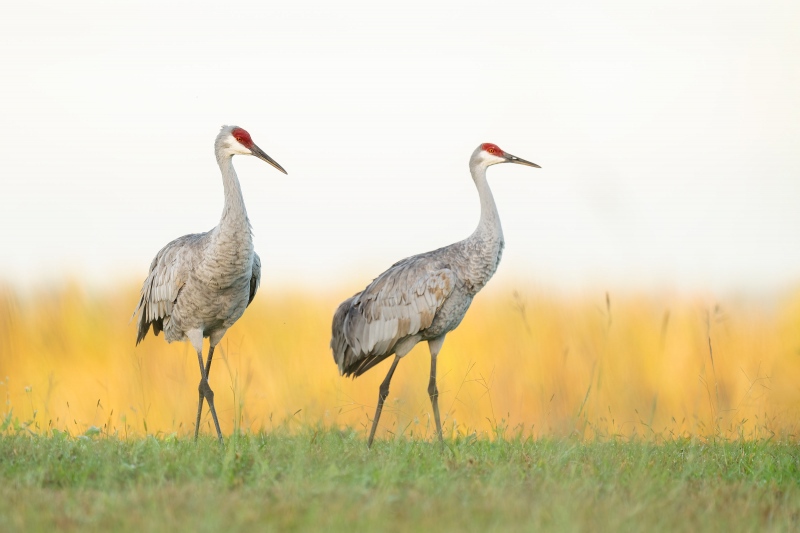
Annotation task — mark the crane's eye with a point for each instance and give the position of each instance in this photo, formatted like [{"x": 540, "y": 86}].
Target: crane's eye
[{"x": 491, "y": 150}]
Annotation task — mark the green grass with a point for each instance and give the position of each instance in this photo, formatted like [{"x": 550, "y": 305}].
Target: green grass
[{"x": 328, "y": 479}]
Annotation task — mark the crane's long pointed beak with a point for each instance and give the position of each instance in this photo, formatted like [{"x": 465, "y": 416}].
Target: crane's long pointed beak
[
  {"x": 259, "y": 153},
  {"x": 514, "y": 159}
]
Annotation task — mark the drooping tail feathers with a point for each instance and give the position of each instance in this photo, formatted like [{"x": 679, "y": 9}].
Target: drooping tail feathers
[{"x": 350, "y": 362}]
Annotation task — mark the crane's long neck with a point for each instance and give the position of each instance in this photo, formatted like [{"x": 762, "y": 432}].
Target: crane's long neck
[
  {"x": 482, "y": 250},
  {"x": 489, "y": 228},
  {"x": 234, "y": 215},
  {"x": 228, "y": 255}
]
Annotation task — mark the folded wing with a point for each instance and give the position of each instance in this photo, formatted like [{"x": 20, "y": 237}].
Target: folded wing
[
  {"x": 401, "y": 302},
  {"x": 168, "y": 273}
]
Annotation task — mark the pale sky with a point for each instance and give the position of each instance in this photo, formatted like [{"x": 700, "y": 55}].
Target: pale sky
[{"x": 668, "y": 135}]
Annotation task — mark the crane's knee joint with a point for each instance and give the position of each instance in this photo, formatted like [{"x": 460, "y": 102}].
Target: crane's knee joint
[
  {"x": 433, "y": 391},
  {"x": 205, "y": 389},
  {"x": 383, "y": 392}
]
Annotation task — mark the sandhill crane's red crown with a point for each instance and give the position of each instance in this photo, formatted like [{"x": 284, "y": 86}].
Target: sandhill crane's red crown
[
  {"x": 243, "y": 137},
  {"x": 492, "y": 149}
]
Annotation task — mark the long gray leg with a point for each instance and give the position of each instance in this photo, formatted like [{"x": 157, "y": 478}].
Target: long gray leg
[
  {"x": 200, "y": 391},
  {"x": 383, "y": 392},
  {"x": 205, "y": 390},
  {"x": 433, "y": 391}
]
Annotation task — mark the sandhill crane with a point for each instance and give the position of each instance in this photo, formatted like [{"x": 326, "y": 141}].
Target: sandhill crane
[
  {"x": 422, "y": 297},
  {"x": 200, "y": 284}
]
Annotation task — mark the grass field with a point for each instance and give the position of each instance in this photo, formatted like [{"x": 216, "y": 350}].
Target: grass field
[
  {"x": 602, "y": 412},
  {"x": 315, "y": 480}
]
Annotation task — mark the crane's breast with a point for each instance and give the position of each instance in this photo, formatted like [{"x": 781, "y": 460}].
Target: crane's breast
[
  {"x": 482, "y": 260},
  {"x": 450, "y": 315}
]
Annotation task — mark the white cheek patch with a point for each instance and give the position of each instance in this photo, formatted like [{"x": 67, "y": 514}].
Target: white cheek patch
[
  {"x": 492, "y": 159},
  {"x": 235, "y": 147}
]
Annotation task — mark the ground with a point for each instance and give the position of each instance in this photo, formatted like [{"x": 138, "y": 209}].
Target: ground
[{"x": 327, "y": 479}]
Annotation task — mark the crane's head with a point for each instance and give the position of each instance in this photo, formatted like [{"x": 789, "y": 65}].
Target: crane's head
[
  {"x": 233, "y": 140},
  {"x": 489, "y": 154}
]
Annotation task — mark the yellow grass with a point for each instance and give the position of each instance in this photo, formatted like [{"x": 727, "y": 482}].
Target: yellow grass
[{"x": 522, "y": 359}]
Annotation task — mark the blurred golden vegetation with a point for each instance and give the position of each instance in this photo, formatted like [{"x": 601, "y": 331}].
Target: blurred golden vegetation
[{"x": 523, "y": 360}]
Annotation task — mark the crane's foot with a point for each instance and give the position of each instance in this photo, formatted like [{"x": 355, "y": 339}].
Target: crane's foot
[
  {"x": 381, "y": 398},
  {"x": 199, "y": 413},
  {"x": 208, "y": 394},
  {"x": 433, "y": 391},
  {"x": 383, "y": 392}
]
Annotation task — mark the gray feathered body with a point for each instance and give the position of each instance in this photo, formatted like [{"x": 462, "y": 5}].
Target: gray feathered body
[
  {"x": 420, "y": 298},
  {"x": 198, "y": 281},
  {"x": 204, "y": 281}
]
